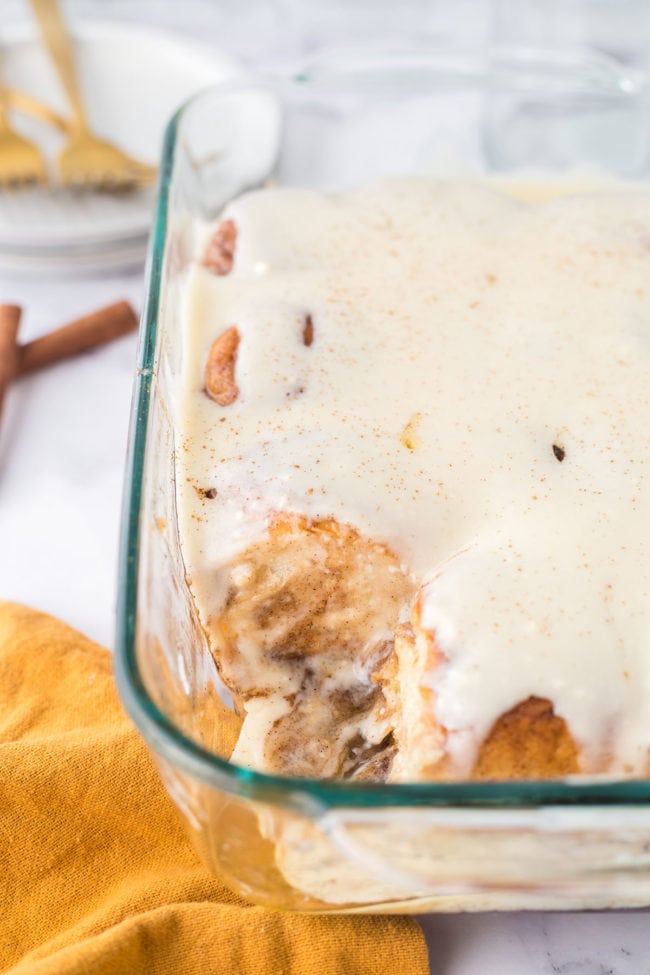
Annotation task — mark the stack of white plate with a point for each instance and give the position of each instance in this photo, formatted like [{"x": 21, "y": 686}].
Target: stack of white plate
[{"x": 133, "y": 78}]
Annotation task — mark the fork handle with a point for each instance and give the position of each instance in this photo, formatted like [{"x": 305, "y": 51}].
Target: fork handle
[{"x": 58, "y": 43}]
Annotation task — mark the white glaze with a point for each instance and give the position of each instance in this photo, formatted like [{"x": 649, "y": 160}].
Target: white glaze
[{"x": 478, "y": 330}]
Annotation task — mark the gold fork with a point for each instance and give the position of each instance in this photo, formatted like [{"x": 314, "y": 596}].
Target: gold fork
[
  {"x": 21, "y": 162},
  {"x": 20, "y": 101},
  {"x": 85, "y": 160}
]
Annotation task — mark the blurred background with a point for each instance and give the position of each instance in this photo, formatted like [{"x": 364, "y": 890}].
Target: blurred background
[{"x": 268, "y": 32}]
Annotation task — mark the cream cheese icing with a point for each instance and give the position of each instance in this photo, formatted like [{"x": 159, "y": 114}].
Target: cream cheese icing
[{"x": 475, "y": 396}]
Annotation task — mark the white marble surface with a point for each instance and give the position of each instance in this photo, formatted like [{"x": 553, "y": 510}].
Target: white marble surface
[{"x": 62, "y": 449}]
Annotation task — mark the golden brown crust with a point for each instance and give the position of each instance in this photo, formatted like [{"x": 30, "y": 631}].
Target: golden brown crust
[
  {"x": 220, "y": 252},
  {"x": 528, "y": 742},
  {"x": 219, "y": 375}
]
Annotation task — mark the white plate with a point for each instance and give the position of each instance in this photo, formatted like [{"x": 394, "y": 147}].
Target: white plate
[{"x": 133, "y": 78}]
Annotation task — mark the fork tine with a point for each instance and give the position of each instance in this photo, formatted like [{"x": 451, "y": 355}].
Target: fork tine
[
  {"x": 16, "y": 166},
  {"x": 21, "y": 161},
  {"x": 143, "y": 169},
  {"x": 105, "y": 181}
]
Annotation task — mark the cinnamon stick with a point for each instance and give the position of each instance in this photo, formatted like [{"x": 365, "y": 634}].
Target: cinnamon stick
[
  {"x": 84, "y": 333},
  {"x": 9, "y": 323}
]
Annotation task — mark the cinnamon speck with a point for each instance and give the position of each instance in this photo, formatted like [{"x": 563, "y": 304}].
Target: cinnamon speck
[
  {"x": 206, "y": 493},
  {"x": 559, "y": 452},
  {"x": 308, "y": 331}
]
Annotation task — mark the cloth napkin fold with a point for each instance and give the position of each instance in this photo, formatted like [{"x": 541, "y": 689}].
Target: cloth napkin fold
[{"x": 96, "y": 873}]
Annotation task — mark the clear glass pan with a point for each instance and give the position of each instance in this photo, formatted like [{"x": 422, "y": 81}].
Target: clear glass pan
[{"x": 323, "y": 845}]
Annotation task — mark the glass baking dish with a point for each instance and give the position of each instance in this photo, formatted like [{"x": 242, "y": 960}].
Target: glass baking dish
[{"x": 315, "y": 845}]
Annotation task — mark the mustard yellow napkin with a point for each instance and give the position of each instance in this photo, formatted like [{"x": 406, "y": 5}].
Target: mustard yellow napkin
[{"x": 96, "y": 874}]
